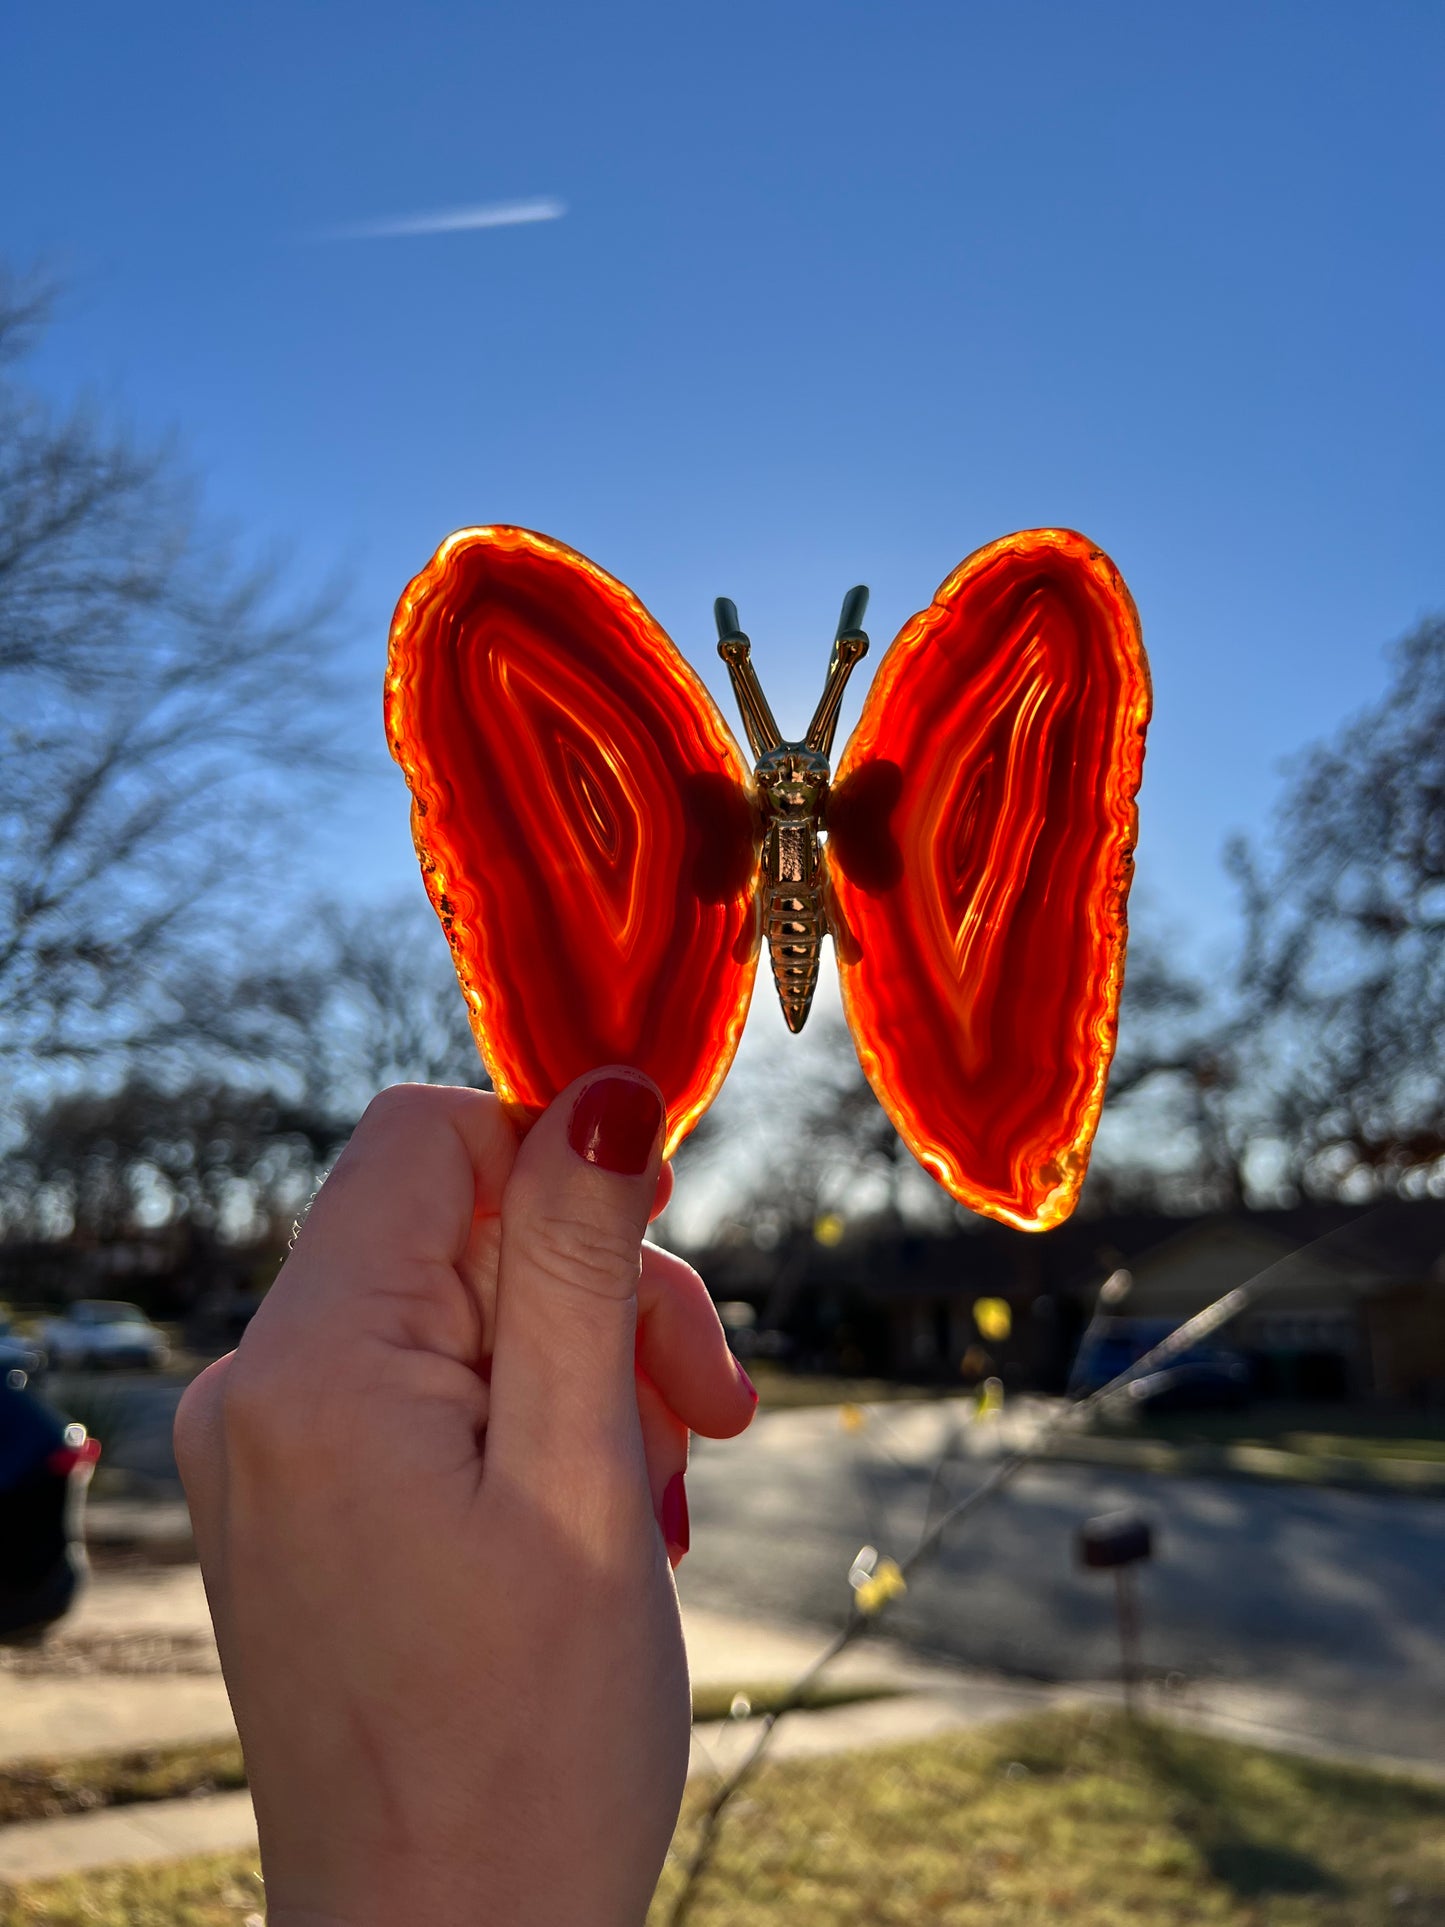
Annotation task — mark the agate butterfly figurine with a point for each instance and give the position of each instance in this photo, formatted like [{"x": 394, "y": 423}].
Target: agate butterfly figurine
[{"x": 607, "y": 866}]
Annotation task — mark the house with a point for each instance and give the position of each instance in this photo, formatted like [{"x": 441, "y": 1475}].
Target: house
[
  {"x": 1306, "y": 1332},
  {"x": 1350, "y": 1301}
]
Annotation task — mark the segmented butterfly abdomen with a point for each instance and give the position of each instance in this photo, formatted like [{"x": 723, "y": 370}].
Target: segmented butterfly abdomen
[{"x": 794, "y": 917}]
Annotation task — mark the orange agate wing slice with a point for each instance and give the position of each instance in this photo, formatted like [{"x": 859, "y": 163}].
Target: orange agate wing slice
[
  {"x": 584, "y": 819},
  {"x": 980, "y": 847}
]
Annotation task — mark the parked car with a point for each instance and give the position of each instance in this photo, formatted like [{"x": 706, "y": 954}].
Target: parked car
[
  {"x": 18, "y": 1354},
  {"x": 1219, "y": 1384},
  {"x": 45, "y": 1466},
  {"x": 1205, "y": 1375},
  {"x": 97, "y": 1332}
]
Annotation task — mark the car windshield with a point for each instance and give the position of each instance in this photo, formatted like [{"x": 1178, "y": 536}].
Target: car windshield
[{"x": 99, "y": 1311}]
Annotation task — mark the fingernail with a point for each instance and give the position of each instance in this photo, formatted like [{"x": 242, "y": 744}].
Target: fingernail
[
  {"x": 614, "y": 1125},
  {"x": 747, "y": 1384},
  {"x": 674, "y": 1517}
]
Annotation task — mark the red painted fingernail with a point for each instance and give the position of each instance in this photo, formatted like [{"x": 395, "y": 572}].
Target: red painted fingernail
[
  {"x": 614, "y": 1125},
  {"x": 747, "y": 1384},
  {"x": 674, "y": 1517}
]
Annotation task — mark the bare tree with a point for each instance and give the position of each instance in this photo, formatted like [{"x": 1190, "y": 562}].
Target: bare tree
[
  {"x": 798, "y": 1136},
  {"x": 340, "y": 1004},
  {"x": 1344, "y": 968},
  {"x": 165, "y": 712},
  {"x": 223, "y": 1163},
  {"x": 229, "y": 1128},
  {"x": 1172, "y": 1136},
  {"x": 1316, "y": 1065}
]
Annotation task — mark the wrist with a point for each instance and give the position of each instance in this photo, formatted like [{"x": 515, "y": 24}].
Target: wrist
[{"x": 302, "y": 1917}]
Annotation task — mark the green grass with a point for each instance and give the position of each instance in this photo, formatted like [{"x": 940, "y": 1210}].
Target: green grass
[
  {"x": 1344, "y": 1445},
  {"x": 216, "y": 1890},
  {"x": 1078, "y": 1818},
  {"x": 1065, "y": 1820},
  {"x": 1395, "y": 1450},
  {"x": 784, "y": 1391},
  {"x": 1345, "y": 1431},
  {"x": 714, "y": 1702}
]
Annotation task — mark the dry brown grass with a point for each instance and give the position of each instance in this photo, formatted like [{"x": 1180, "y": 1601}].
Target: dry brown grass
[{"x": 1075, "y": 1820}]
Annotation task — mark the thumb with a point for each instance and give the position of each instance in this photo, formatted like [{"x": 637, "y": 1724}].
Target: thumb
[{"x": 563, "y": 1396}]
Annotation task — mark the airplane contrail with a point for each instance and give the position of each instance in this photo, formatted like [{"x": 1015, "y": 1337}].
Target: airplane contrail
[{"x": 452, "y": 220}]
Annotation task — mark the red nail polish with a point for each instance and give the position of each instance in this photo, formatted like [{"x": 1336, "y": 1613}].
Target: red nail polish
[
  {"x": 674, "y": 1516},
  {"x": 614, "y": 1125},
  {"x": 747, "y": 1384}
]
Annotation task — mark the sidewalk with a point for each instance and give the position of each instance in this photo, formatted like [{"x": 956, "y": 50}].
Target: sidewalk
[
  {"x": 109, "y": 1683},
  {"x": 135, "y": 1665},
  {"x": 216, "y": 1823},
  {"x": 147, "y": 1620},
  {"x": 220, "y": 1822}
]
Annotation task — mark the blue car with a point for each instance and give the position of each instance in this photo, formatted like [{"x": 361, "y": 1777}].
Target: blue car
[
  {"x": 45, "y": 1466},
  {"x": 1204, "y": 1377}
]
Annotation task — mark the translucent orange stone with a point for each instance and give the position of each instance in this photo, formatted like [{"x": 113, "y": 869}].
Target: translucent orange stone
[
  {"x": 981, "y": 832},
  {"x": 589, "y": 834},
  {"x": 584, "y": 819}
]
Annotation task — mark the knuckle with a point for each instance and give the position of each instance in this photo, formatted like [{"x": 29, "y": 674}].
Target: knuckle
[
  {"x": 271, "y": 1418},
  {"x": 403, "y": 1105},
  {"x": 397, "y": 1100},
  {"x": 398, "y": 1108},
  {"x": 588, "y": 1257}
]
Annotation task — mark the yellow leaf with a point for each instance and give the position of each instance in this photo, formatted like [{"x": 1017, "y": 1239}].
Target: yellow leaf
[{"x": 993, "y": 1318}]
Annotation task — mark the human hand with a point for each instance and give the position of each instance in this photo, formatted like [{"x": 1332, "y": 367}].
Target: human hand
[{"x": 435, "y": 1491}]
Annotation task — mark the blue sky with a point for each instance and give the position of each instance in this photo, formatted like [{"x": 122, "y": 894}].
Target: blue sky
[{"x": 841, "y": 292}]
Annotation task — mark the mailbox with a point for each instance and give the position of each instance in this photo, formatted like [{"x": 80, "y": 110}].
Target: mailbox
[
  {"x": 1116, "y": 1542},
  {"x": 1115, "y": 1539}
]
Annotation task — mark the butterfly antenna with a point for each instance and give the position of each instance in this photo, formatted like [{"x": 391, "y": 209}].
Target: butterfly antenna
[
  {"x": 736, "y": 651},
  {"x": 850, "y": 646}
]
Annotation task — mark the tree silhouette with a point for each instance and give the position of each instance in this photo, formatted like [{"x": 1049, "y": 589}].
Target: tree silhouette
[
  {"x": 1343, "y": 975},
  {"x": 166, "y": 715}
]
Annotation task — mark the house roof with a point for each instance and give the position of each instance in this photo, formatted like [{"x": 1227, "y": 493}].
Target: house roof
[
  {"x": 1189, "y": 1270},
  {"x": 1340, "y": 1251}
]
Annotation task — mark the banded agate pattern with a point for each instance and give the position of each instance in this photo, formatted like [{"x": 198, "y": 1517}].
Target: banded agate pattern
[
  {"x": 584, "y": 819},
  {"x": 981, "y": 831}
]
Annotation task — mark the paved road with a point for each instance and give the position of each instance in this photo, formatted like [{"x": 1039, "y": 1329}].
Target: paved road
[{"x": 1309, "y": 1609}]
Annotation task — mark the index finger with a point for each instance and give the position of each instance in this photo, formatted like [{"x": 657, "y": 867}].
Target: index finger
[{"x": 405, "y": 1204}]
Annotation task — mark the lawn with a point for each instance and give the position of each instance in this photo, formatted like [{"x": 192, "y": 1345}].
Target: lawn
[
  {"x": 1074, "y": 1818},
  {"x": 1079, "y": 1818},
  {"x": 1345, "y": 1431},
  {"x": 46, "y": 1789},
  {"x": 1318, "y": 1439},
  {"x": 784, "y": 1391},
  {"x": 1355, "y": 1446}
]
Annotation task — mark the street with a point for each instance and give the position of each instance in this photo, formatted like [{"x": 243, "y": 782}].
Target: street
[
  {"x": 1304, "y": 1609},
  {"x": 1308, "y": 1609}
]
